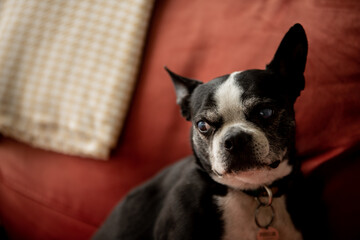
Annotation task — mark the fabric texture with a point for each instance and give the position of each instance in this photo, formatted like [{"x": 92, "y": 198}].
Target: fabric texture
[{"x": 67, "y": 71}]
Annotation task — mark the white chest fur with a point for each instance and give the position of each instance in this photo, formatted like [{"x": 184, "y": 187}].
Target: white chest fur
[{"x": 238, "y": 215}]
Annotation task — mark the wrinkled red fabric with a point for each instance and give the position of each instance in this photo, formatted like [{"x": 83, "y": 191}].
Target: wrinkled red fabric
[{"x": 46, "y": 195}]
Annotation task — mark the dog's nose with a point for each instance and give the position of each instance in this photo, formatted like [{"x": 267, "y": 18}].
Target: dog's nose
[{"x": 237, "y": 141}]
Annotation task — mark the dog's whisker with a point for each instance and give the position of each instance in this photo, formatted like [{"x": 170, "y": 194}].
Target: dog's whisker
[{"x": 217, "y": 173}]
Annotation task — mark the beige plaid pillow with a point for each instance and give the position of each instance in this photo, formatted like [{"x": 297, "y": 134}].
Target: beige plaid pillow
[{"x": 68, "y": 69}]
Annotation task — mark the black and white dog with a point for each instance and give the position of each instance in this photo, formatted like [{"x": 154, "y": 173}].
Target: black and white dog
[{"x": 239, "y": 182}]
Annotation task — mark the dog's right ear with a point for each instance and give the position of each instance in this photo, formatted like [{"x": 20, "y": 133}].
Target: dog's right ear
[
  {"x": 290, "y": 59},
  {"x": 183, "y": 89}
]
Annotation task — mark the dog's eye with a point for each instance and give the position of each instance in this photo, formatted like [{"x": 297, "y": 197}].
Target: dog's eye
[
  {"x": 203, "y": 126},
  {"x": 266, "y": 113}
]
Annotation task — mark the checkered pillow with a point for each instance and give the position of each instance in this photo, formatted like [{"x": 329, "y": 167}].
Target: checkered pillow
[{"x": 67, "y": 71}]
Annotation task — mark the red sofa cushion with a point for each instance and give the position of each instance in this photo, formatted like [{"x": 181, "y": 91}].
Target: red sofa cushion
[{"x": 46, "y": 195}]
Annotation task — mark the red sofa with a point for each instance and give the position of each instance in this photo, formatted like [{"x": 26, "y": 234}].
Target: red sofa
[{"x": 46, "y": 195}]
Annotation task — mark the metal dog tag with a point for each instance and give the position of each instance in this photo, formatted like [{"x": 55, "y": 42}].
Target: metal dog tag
[{"x": 269, "y": 233}]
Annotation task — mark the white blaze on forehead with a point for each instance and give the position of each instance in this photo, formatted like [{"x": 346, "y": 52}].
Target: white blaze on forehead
[
  {"x": 228, "y": 104},
  {"x": 230, "y": 107},
  {"x": 228, "y": 97}
]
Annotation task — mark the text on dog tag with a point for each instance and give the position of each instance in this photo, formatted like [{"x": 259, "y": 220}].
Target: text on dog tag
[{"x": 269, "y": 233}]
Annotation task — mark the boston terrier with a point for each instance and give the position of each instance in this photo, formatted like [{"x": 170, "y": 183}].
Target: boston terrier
[{"x": 240, "y": 181}]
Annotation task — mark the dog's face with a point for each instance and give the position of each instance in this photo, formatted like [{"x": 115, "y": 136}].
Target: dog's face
[{"x": 243, "y": 123}]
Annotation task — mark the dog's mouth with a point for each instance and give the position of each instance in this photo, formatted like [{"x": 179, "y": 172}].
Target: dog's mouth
[
  {"x": 275, "y": 164},
  {"x": 254, "y": 174},
  {"x": 253, "y": 178},
  {"x": 264, "y": 167}
]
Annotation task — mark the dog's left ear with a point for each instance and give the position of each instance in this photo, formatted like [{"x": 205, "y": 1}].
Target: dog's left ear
[
  {"x": 290, "y": 59},
  {"x": 183, "y": 88}
]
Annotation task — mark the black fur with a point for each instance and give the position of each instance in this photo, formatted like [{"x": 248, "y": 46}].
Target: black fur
[
  {"x": 179, "y": 202},
  {"x": 169, "y": 206}
]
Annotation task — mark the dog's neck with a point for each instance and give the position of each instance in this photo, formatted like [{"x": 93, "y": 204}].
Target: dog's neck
[{"x": 278, "y": 188}]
